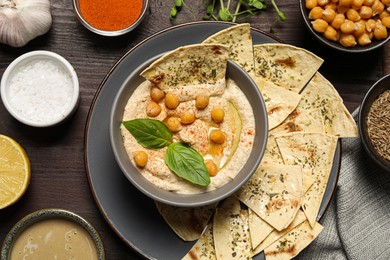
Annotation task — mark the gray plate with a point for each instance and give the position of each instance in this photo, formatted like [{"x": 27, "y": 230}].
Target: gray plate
[{"x": 129, "y": 212}]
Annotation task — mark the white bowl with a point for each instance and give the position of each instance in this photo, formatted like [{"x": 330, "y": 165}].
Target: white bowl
[{"x": 40, "y": 89}]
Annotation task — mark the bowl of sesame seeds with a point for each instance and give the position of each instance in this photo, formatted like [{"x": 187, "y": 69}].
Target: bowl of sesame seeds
[
  {"x": 40, "y": 89},
  {"x": 374, "y": 122}
]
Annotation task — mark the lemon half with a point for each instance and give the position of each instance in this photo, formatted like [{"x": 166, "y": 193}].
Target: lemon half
[{"x": 15, "y": 171}]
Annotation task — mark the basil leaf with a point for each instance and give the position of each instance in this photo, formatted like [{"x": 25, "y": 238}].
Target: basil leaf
[
  {"x": 150, "y": 133},
  {"x": 187, "y": 163}
]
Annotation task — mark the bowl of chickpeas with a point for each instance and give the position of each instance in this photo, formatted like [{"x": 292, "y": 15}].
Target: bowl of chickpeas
[
  {"x": 348, "y": 25},
  {"x": 201, "y": 122}
]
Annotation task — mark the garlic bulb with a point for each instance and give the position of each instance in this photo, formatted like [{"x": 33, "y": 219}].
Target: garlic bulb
[{"x": 23, "y": 20}]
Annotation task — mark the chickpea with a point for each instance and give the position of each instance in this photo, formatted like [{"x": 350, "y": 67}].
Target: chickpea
[
  {"x": 310, "y": 4},
  {"x": 171, "y": 100},
  {"x": 319, "y": 25},
  {"x": 384, "y": 14},
  {"x": 156, "y": 94},
  {"x": 377, "y": 7},
  {"x": 217, "y": 114},
  {"x": 316, "y": 13},
  {"x": 386, "y": 2},
  {"x": 368, "y": 2},
  {"x": 347, "y": 40},
  {"x": 331, "y": 5},
  {"x": 187, "y": 118},
  {"x": 353, "y": 15},
  {"x": 338, "y": 21},
  {"x": 153, "y": 109},
  {"x": 140, "y": 158},
  {"x": 386, "y": 21},
  {"x": 322, "y": 2},
  {"x": 365, "y": 12},
  {"x": 342, "y": 9},
  {"x": 345, "y": 2},
  {"x": 380, "y": 31},
  {"x": 357, "y": 4},
  {"x": 364, "y": 39},
  {"x": 328, "y": 15},
  {"x": 370, "y": 25},
  {"x": 217, "y": 136},
  {"x": 202, "y": 101},
  {"x": 173, "y": 123},
  {"x": 331, "y": 34},
  {"x": 347, "y": 26},
  {"x": 212, "y": 168},
  {"x": 360, "y": 28}
]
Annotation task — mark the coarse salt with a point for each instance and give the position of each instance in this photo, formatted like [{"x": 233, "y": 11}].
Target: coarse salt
[{"x": 41, "y": 91}]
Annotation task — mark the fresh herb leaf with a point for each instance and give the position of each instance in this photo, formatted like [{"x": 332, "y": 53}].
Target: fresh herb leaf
[
  {"x": 187, "y": 163},
  {"x": 150, "y": 133},
  {"x": 178, "y": 3},
  {"x": 173, "y": 13},
  {"x": 224, "y": 14}
]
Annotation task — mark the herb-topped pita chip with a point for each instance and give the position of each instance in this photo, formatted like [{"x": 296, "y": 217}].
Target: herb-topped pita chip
[
  {"x": 231, "y": 231},
  {"x": 187, "y": 223},
  {"x": 258, "y": 228},
  {"x": 285, "y": 65},
  {"x": 204, "y": 247},
  {"x": 197, "y": 66},
  {"x": 292, "y": 243},
  {"x": 321, "y": 94},
  {"x": 278, "y": 101},
  {"x": 239, "y": 40},
  {"x": 275, "y": 234},
  {"x": 314, "y": 151},
  {"x": 274, "y": 192}
]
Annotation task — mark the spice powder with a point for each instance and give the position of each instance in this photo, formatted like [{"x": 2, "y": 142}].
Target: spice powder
[{"x": 110, "y": 15}]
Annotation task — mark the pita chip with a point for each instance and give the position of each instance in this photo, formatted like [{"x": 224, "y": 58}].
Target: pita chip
[
  {"x": 239, "y": 40},
  {"x": 314, "y": 151},
  {"x": 203, "y": 249},
  {"x": 258, "y": 229},
  {"x": 292, "y": 243},
  {"x": 231, "y": 232},
  {"x": 275, "y": 234},
  {"x": 285, "y": 65},
  {"x": 321, "y": 94},
  {"x": 197, "y": 66},
  {"x": 187, "y": 223},
  {"x": 274, "y": 192}
]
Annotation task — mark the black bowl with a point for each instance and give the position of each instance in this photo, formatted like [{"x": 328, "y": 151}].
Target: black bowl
[
  {"x": 372, "y": 94},
  {"x": 336, "y": 45}
]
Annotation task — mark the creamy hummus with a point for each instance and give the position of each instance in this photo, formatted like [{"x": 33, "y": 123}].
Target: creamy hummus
[{"x": 238, "y": 126}]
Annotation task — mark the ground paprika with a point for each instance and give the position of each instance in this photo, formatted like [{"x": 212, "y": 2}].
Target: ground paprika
[{"x": 110, "y": 15}]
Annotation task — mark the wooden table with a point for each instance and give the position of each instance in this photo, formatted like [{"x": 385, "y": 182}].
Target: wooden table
[{"x": 59, "y": 178}]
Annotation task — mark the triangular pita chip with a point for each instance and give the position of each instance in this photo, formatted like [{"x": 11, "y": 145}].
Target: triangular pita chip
[
  {"x": 285, "y": 65},
  {"x": 258, "y": 229},
  {"x": 203, "y": 249},
  {"x": 274, "y": 192},
  {"x": 293, "y": 242},
  {"x": 187, "y": 223},
  {"x": 312, "y": 151},
  {"x": 275, "y": 234},
  {"x": 197, "y": 66},
  {"x": 279, "y": 102},
  {"x": 231, "y": 233},
  {"x": 321, "y": 94},
  {"x": 239, "y": 40}
]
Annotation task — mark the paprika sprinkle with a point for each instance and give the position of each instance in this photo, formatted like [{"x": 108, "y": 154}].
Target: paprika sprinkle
[{"x": 110, "y": 15}]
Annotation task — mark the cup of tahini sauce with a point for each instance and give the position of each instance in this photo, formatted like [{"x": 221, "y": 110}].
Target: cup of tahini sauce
[
  {"x": 53, "y": 234},
  {"x": 40, "y": 89}
]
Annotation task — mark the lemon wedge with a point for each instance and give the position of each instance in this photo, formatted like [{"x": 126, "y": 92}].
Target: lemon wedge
[{"x": 15, "y": 171}]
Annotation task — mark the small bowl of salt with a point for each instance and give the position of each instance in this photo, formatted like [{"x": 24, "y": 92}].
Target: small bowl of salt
[{"x": 40, "y": 89}]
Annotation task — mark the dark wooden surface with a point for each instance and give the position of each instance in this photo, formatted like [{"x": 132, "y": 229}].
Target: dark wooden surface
[{"x": 59, "y": 178}]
